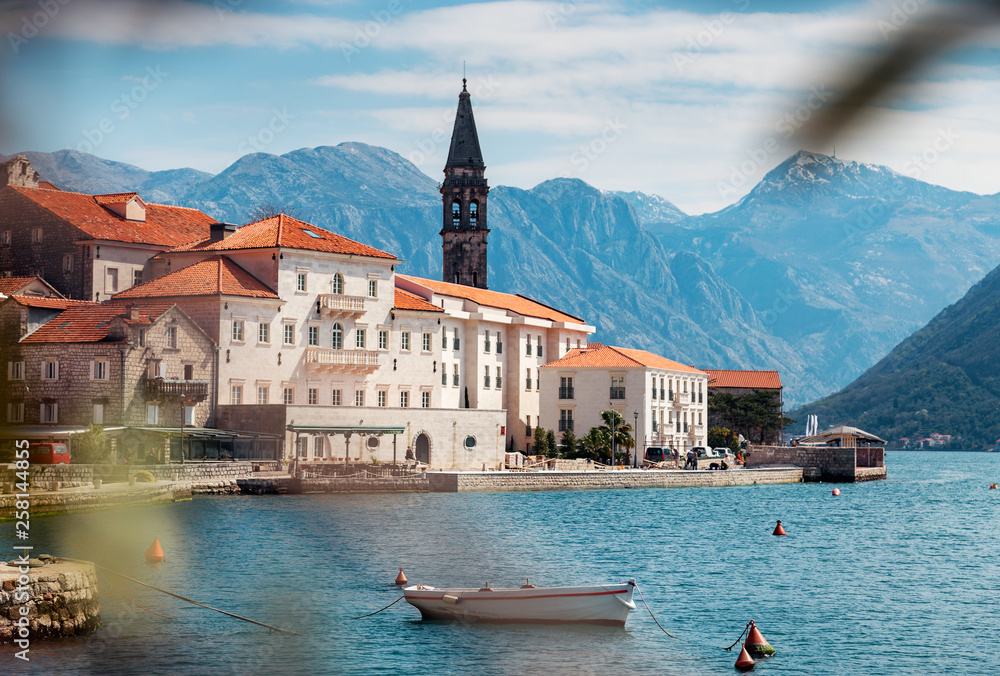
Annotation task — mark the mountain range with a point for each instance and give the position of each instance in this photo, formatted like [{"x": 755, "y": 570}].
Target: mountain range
[{"x": 817, "y": 272}]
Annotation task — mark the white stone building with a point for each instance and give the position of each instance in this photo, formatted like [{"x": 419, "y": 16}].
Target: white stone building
[{"x": 666, "y": 401}]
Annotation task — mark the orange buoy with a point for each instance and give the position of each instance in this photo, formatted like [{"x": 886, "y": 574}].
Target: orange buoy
[
  {"x": 155, "y": 552},
  {"x": 778, "y": 530},
  {"x": 401, "y": 579},
  {"x": 756, "y": 644},
  {"x": 836, "y": 491},
  {"x": 993, "y": 486},
  {"x": 744, "y": 662}
]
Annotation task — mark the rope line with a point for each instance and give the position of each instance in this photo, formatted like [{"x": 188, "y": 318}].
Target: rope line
[
  {"x": 184, "y": 598},
  {"x": 380, "y": 609},
  {"x": 651, "y": 613},
  {"x": 745, "y": 629},
  {"x": 138, "y": 605}
]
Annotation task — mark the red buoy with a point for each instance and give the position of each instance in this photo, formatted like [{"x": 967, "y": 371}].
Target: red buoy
[
  {"x": 993, "y": 486},
  {"x": 401, "y": 579},
  {"x": 778, "y": 530},
  {"x": 836, "y": 491},
  {"x": 744, "y": 662},
  {"x": 756, "y": 644},
  {"x": 155, "y": 552}
]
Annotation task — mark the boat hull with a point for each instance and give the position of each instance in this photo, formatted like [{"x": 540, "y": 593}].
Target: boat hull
[{"x": 607, "y": 605}]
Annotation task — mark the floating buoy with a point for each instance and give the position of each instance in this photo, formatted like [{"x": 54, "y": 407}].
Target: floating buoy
[
  {"x": 778, "y": 530},
  {"x": 836, "y": 491},
  {"x": 155, "y": 552},
  {"x": 756, "y": 644},
  {"x": 993, "y": 486},
  {"x": 401, "y": 579},
  {"x": 744, "y": 662}
]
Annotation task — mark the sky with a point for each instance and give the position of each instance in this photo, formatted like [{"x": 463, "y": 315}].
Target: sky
[{"x": 692, "y": 101}]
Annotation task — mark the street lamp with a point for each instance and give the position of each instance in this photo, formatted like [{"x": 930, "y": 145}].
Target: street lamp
[
  {"x": 614, "y": 422},
  {"x": 183, "y": 412},
  {"x": 635, "y": 440}
]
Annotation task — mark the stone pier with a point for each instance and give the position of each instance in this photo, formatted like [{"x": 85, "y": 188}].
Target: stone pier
[{"x": 61, "y": 600}]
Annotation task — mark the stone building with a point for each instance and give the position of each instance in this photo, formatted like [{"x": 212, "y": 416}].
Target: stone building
[
  {"x": 664, "y": 400},
  {"x": 741, "y": 383},
  {"x": 87, "y": 247}
]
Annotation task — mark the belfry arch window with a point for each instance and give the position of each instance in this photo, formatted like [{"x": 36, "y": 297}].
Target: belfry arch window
[
  {"x": 337, "y": 287},
  {"x": 475, "y": 278},
  {"x": 456, "y": 214},
  {"x": 473, "y": 214},
  {"x": 337, "y": 337}
]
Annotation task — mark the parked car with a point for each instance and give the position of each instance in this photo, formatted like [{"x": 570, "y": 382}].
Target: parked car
[
  {"x": 658, "y": 454},
  {"x": 48, "y": 453},
  {"x": 725, "y": 452}
]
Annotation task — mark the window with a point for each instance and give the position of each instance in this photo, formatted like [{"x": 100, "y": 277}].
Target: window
[
  {"x": 499, "y": 343},
  {"x": 383, "y": 340},
  {"x": 425, "y": 400},
  {"x": 236, "y": 394},
  {"x": 373, "y": 288},
  {"x": 486, "y": 377},
  {"x": 456, "y": 214},
  {"x": 473, "y": 213},
  {"x": 486, "y": 344},
  {"x": 314, "y": 336},
  {"x": 337, "y": 337},
  {"x": 404, "y": 399},
  {"x": 426, "y": 343},
  {"x": 336, "y": 399},
  {"x": 15, "y": 370},
  {"x": 312, "y": 396},
  {"x": 317, "y": 441},
  {"x": 456, "y": 341},
  {"x": 172, "y": 337},
  {"x": 188, "y": 371},
  {"x": 661, "y": 388},
  {"x": 264, "y": 333},
  {"x": 300, "y": 282},
  {"x": 5, "y": 237},
  {"x": 527, "y": 351},
  {"x": 36, "y": 235},
  {"x": 444, "y": 339},
  {"x": 565, "y": 419},
  {"x": 527, "y": 426},
  {"x": 382, "y": 397},
  {"x": 99, "y": 369},
  {"x": 498, "y": 377},
  {"x": 289, "y": 334},
  {"x": 237, "y": 330},
  {"x": 654, "y": 389},
  {"x": 153, "y": 369},
  {"x": 617, "y": 387},
  {"x": 111, "y": 280},
  {"x": 142, "y": 337},
  {"x": 262, "y": 393},
  {"x": 50, "y": 369},
  {"x": 68, "y": 263},
  {"x": 359, "y": 339},
  {"x": 15, "y": 412},
  {"x": 527, "y": 379},
  {"x": 359, "y": 397},
  {"x": 152, "y": 414},
  {"x": 50, "y": 412},
  {"x": 567, "y": 343},
  {"x": 566, "y": 387},
  {"x": 538, "y": 348},
  {"x": 454, "y": 377},
  {"x": 97, "y": 416},
  {"x": 137, "y": 277},
  {"x": 337, "y": 285},
  {"x": 288, "y": 396},
  {"x": 444, "y": 374},
  {"x": 404, "y": 341}
]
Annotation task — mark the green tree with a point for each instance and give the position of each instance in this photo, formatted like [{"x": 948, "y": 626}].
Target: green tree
[
  {"x": 595, "y": 445},
  {"x": 92, "y": 446},
  {"x": 622, "y": 432},
  {"x": 550, "y": 441},
  {"x": 568, "y": 444},
  {"x": 541, "y": 446}
]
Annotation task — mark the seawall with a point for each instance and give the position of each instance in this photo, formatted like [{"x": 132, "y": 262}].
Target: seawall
[
  {"x": 831, "y": 463},
  {"x": 62, "y": 600}
]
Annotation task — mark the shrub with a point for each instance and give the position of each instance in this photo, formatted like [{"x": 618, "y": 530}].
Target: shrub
[{"x": 144, "y": 476}]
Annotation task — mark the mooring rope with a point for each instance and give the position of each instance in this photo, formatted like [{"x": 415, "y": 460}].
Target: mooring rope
[
  {"x": 184, "y": 598},
  {"x": 651, "y": 614},
  {"x": 138, "y": 605},
  {"x": 380, "y": 609},
  {"x": 745, "y": 629}
]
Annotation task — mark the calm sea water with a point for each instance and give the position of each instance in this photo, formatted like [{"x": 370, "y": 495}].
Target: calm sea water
[{"x": 893, "y": 577}]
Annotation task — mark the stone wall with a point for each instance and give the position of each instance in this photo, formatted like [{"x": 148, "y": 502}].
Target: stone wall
[
  {"x": 42, "y": 476},
  {"x": 834, "y": 463},
  {"x": 109, "y": 495},
  {"x": 196, "y": 472},
  {"x": 359, "y": 485},
  {"x": 63, "y": 601},
  {"x": 452, "y": 482}
]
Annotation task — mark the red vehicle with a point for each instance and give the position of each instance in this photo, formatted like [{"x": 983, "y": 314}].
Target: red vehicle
[{"x": 48, "y": 454}]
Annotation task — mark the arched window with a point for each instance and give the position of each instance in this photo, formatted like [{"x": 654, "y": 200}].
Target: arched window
[
  {"x": 338, "y": 285},
  {"x": 473, "y": 213},
  {"x": 456, "y": 214},
  {"x": 475, "y": 278},
  {"x": 338, "y": 336},
  {"x": 456, "y": 279}
]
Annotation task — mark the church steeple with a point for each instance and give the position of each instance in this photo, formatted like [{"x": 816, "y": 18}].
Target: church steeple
[{"x": 463, "y": 194}]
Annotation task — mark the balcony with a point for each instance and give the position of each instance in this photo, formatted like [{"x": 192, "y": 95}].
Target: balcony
[
  {"x": 617, "y": 392},
  {"x": 695, "y": 430},
  {"x": 499, "y": 382},
  {"x": 682, "y": 398},
  {"x": 336, "y": 304},
  {"x": 350, "y": 360},
  {"x": 566, "y": 393},
  {"x": 192, "y": 390}
]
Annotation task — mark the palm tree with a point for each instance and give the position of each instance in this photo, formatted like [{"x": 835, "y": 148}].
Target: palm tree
[{"x": 623, "y": 431}]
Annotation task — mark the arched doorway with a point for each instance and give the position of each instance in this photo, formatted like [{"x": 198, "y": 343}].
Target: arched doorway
[{"x": 422, "y": 449}]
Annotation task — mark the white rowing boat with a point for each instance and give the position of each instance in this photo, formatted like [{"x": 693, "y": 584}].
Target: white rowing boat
[{"x": 606, "y": 604}]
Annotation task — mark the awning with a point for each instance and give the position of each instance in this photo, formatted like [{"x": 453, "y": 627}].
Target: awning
[
  {"x": 205, "y": 433},
  {"x": 47, "y": 431},
  {"x": 345, "y": 429}
]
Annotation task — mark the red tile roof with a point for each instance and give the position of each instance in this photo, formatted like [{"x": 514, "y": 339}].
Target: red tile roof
[
  {"x": 9, "y": 285},
  {"x": 164, "y": 225},
  {"x": 753, "y": 380},
  {"x": 411, "y": 301},
  {"x": 48, "y": 185},
  {"x": 617, "y": 357},
  {"x": 115, "y": 198},
  {"x": 89, "y": 323},
  {"x": 213, "y": 276},
  {"x": 52, "y": 303},
  {"x": 519, "y": 304},
  {"x": 288, "y": 233}
]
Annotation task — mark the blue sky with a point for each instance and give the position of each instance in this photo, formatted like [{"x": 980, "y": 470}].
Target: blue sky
[{"x": 694, "y": 101}]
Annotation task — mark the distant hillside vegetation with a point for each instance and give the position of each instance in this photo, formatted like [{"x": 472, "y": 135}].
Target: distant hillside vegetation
[{"x": 945, "y": 378}]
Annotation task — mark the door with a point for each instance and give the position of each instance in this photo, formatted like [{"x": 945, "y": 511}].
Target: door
[{"x": 423, "y": 449}]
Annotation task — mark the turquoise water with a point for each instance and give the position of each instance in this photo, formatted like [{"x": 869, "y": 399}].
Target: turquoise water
[{"x": 892, "y": 577}]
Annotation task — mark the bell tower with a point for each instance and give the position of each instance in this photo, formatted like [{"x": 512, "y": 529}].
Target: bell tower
[{"x": 464, "y": 193}]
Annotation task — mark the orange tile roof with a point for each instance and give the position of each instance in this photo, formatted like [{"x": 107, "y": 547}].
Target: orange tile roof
[
  {"x": 213, "y": 276},
  {"x": 48, "y": 185},
  {"x": 617, "y": 357},
  {"x": 164, "y": 225},
  {"x": 89, "y": 323},
  {"x": 46, "y": 302},
  {"x": 522, "y": 305},
  {"x": 754, "y": 380},
  {"x": 9, "y": 285},
  {"x": 411, "y": 301},
  {"x": 115, "y": 198},
  {"x": 289, "y": 233}
]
